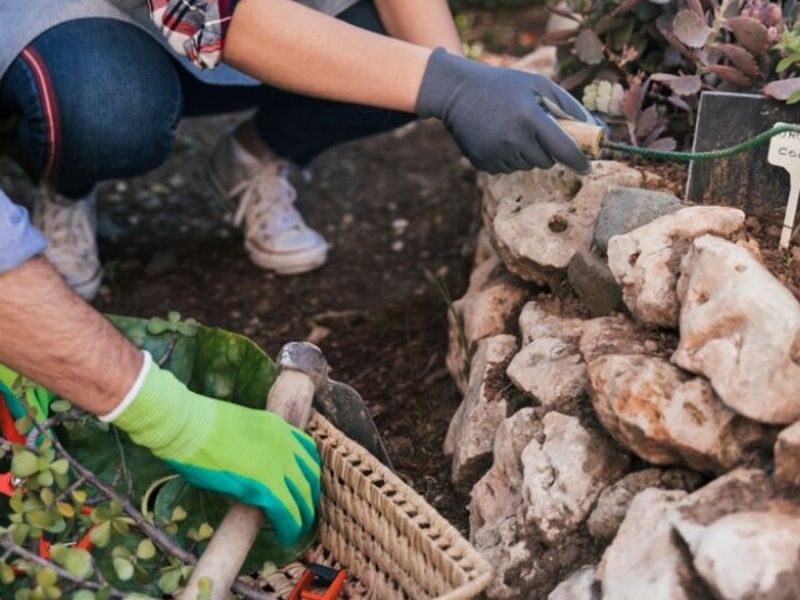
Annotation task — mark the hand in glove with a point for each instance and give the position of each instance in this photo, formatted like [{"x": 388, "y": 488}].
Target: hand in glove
[
  {"x": 253, "y": 455},
  {"x": 496, "y": 115}
]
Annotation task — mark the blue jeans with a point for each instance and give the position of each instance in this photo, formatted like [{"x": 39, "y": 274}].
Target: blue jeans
[{"x": 99, "y": 99}]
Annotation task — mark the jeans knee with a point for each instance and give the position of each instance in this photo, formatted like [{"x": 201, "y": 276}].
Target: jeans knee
[{"x": 100, "y": 114}]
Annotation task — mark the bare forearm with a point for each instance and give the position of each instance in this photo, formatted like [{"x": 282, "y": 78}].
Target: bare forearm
[
  {"x": 54, "y": 338},
  {"x": 293, "y": 47},
  {"x": 427, "y": 23}
]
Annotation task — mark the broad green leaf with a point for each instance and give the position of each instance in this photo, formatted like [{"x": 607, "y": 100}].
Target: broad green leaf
[
  {"x": 123, "y": 568},
  {"x": 60, "y": 466},
  {"x": 24, "y": 463},
  {"x": 170, "y": 580},
  {"x": 78, "y": 562},
  {"x": 146, "y": 550},
  {"x": 83, "y": 595},
  {"x": 101, "y": 535},
  {"x": 46, "y": 577},
  {"x": 60, "y": 406}
]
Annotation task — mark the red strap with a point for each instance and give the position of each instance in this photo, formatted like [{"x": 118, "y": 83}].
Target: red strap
[
  {"x": 5, "y": 484},
  {"x": 7, "y": 424}
]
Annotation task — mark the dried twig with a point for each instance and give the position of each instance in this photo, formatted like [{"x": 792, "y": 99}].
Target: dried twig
[{"x": 8, "y": 543}]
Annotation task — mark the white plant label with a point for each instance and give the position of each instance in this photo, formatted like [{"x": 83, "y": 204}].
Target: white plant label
[{"x": 784, "y": 151}]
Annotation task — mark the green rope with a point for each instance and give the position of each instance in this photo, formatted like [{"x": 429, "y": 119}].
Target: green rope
[{"x": 676, "y": 155}]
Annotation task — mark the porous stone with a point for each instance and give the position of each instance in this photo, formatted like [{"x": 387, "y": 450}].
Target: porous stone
[
  {"x": 471, "y": 433},
  {"x": 564, "y": 472},
  {"x": 503, "y": 545},
  {"x": 551, "y": 371},
  {"x": 644, "y": 560},
  {"x": 645, "y": 262},
  {"x": 625, "y": 209},
  {"x": 614, "y": 335},
  {"x": 581, "y": 585},
  {"x": 752, "y": 555},
  {"x": 540, "y": 218},
  {"x": 593, "y": 282},
  {"x": 487, "y": 309},
  {"x": 740, "y": 490},
  {"x": 536, "y": 322},
  {"x": 666, "y": 417},
  {"x": 740, "y": 327},
  {"x": 787, "y": 456},
  {"x": 614, "y": 501},
  {"x": 498, "y": 494}
]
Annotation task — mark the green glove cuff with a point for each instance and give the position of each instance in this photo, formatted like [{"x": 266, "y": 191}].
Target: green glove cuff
[{"x": 162, "y": 414}]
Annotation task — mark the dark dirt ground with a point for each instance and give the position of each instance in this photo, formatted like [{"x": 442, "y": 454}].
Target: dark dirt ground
[{"x": 372, "y": 309}]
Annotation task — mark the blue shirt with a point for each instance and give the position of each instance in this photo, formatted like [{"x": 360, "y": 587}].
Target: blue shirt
[{"x": 19, "y": 240}]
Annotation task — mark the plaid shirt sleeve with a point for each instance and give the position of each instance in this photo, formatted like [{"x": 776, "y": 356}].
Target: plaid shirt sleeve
[{"x": 194, "y": 28}]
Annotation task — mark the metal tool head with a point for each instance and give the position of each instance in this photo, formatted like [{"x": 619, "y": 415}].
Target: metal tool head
[{"x": 345, "y": 408}]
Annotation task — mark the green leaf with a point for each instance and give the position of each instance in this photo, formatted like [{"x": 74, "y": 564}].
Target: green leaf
[
  {"x": 46, "y": 578},
  {"x": 39, "y": 518},
  {"x": 24, "y": 463},
  {"x": 83, "y": 595},
  {"x": 170, "y": 580},
  {"x": 123, "y": 568},
  {"x": 45, "y": 479},
  {"x": 204, "y": 588},
  {"x": 79, "y": 562},
  {"x": 785, "y": 63},
  {"x": 60, "y": 466},
  {"x": 7, "y": 576},
  {"x": 60, "y": 406},
  {"x": 794, "y": 98},
  {"x": 120, "y": 552},
  {"x": 178, "y": 514},
  {"x": 101, "y": 535},
  {"x": 146, "y": 550}
]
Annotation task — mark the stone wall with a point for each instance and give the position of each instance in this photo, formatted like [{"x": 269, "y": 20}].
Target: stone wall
[{"x": 631, "y": 421}]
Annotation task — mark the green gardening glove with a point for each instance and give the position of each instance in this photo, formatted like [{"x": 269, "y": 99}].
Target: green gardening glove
[{"x": 252, "y": 455}]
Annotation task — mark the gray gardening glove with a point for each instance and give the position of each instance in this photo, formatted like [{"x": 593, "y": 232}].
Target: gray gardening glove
[{"x": 496, "y": 115}]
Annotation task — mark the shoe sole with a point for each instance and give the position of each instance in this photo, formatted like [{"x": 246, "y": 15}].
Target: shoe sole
[{"x": 294, "y": 263}]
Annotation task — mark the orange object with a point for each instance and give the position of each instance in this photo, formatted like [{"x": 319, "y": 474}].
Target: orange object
[
  {"x": 318, "y": 576},
  {"x": 7, "y": 425}
]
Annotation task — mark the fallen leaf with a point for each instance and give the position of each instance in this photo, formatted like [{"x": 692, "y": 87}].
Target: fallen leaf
[
  {"x": 589, "y": 47},
  {"x": 690, "y": 28}
]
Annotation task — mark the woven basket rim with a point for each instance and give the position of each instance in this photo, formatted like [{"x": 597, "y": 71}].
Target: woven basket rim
[{"x": 457, "y": 551}]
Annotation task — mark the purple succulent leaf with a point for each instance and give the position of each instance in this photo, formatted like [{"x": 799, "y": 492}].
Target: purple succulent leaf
[
  {"x": 782, "y": 89},
  {"x": 647, "y": 122},
  {"x": 750, "y": 33},
  {"x": 730, "y": 74},
  {"x": 682, "y": 85},
  {"x": 742, "y": 59},
  {"x": 589, "y": 47},
  {"x": 690, "y": 28}
]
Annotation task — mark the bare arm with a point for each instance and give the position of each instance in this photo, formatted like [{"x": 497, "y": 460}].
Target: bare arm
[
  {"x": 53, "y": 337},
  {"x": 427, "y": 23},
  {"x": 296, "y": 48}
]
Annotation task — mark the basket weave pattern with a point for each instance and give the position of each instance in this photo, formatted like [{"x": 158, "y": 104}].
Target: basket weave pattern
[{"x": 386, "y": 534}]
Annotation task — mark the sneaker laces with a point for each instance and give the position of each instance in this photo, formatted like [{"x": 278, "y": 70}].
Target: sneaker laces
[{"x": 266, "y": 200}]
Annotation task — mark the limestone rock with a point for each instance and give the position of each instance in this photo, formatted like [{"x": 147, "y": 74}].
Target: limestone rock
[
  {"x": 503, "y": 545},
  {"x": 483, "y": 249},
  {"x": 644, "y": 560},
  {"x": 752, "y": 555},
  {"x": 614, "y": 335},
  {"x": 787, "y": 456},
  {"x": 614, "y": 501},
  {"x": 564, "y": 473},
  {"x": 540, "y": 218},
  {"x": 550, "y": 371},
  {"x": 645, "y": 261},
  {"x": 741, "y": 329},
  {"x": 470, "y": 436},
  {"x": 665, "y": 417},
  {"x": 486, "y": 309},
  {"x": 535, "y": 322},
  {"x": 498, "y": 494},
  {"x": 625, "y": 209},
  {"x": 593, "y": 282},
  {"x": 745, "y": 542},
  {"x": 740, "y": 490},
  {"x": 581, "y": 585}
]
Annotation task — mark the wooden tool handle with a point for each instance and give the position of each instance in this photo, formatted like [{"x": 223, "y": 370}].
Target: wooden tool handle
[
  {"x": 588, "y": 136},
  {"x": 290, "y": 397}
]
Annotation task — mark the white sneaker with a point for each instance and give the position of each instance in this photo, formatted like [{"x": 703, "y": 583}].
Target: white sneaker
[
  {"x": 70, "y": 228},
  {"x": 276, "y": 236}
]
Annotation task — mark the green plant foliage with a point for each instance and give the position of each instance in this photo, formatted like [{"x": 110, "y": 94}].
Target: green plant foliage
[{"x": 50, "y": 503}]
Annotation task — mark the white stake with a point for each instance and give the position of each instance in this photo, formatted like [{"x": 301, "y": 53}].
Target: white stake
[{"x": 784, "y": 151}]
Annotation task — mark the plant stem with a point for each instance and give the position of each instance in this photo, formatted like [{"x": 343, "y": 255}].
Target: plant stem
[{"x": 8, "y": 543}]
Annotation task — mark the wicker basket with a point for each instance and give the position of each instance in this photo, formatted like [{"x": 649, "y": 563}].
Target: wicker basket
[{"x": 384, "y": 533}]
